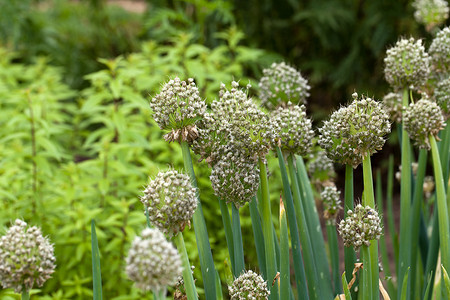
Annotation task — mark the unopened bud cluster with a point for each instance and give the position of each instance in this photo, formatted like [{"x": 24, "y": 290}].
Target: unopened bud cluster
[
  {"x": 177, "y": 108},
  {"x": 393, "y": 104},
  {"x": 440, "y": 51},
  {"x": 422, "y": 119},
  {"x": 442, "y": 96},
  {"x": 331, "y": 199},
  {"x": 26, "y": 258},
  {"x": 407, "y": 65},
  {"x": 360, "y": 227},
  {"x": 235, "y": 177},
  {"x": 281, "y": 84},
  {"x": 430, "y": 13},
  {"x": 171, "y": 201},
  {"x": 153, "y": 263},
  {"x": 249, "y": 286},
  {"x": 355, "y": 131}
]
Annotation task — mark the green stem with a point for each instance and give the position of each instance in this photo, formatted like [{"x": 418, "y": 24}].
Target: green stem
[
  {"x": 369, "y": 200},
  {"x": 390, "y": 211},
  {"x": 284, "y": 255},
  {"x": 239, "y": 263},
  {"x": 366, "y": 276},
  {"x": 201, "y": 233},
  {"x": 160, "y": 294},
  {"x": 228, "y": 233},
  {"x": 189, "y": 284},
  {"x": 258, "y": 236},
  {"x": 25, "y": 295},
  {"x": 334, "y": 254},
  {"x": 268, "y": 231}
]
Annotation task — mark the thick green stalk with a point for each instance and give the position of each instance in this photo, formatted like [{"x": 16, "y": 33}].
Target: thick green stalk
[
  {"x": 25, "y": 295},
  {"x": 404, "y": 255},
  {"x": 300, "y": 277},
  {"x": 285, "y": 282},
  {"x": 239, "y": 264},
  {"x": 189, "y": 284},
  {"x": 433, "y": 253},
  {"x": 314, "y": 227},
  {"x": 160, "y": 294},
  {"x": 267, "y": 226},
  {"x": 96, "y": 269},
  {"x": 444, "y": 150},
  {"x": 366, "y": 291},
  {"x": 441, "y": 205},
  {"x": 258, "y": 237},
  {"x": 228, "y": 233},
  {"x": 369, "y": 200},
  {"x": 390, "y": 210},
  {"x": 201, "y": 233},
  {"x": 334, "y": 254},
  {"x": 348, "y": 295},
  {"x": 349, "y": 252}
]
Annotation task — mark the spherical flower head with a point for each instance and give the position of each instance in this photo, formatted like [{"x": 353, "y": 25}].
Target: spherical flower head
[
  {"x": 360, "y": 227},
  {"x": 249, "y": 286},
  {"x": 281, "y": 84},
  {"x": 293, "y": 130},
  {"x": 442, "y": 96},
  {"x": 248, "y": 127},
  {"x": 26, "y": 257},
  {"x": 331, "y": 199},
  {"x": 407, "y": 65},
  {"x": 177, "y": 108},
  {"x": 153, "y": 262},
  {"x": 235, "y": 177},
  {"x": 440, "y": 52},
  {"x": 320, "y": 167},
  {"x": 430, "y": 13},
  {"x": 393, "y": 104},
  {"x": 171, "y": 201},
  {"x": 422, "y": 119},
  {"x": 355, "y": 131}
]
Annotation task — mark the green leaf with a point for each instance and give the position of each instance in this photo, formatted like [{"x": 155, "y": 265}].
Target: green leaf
[{"x": 96, "y": 270}]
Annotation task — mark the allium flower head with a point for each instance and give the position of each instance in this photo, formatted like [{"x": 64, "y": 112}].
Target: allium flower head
[
  {"x": 293, "y": 130},
  {"x": 440, "y": 51},
  {"x": 393, "y": 104},
  {"x": 171, "y": 201},
  {"x": 282, "y": 84},
  {"x": 152, "y": 262},
  {"x": 331, "y": 199},
  {"x": 26, "y": 257},
  {"x": 320, "y": 167},
  {"x": 248, "y": 127},
  {"x": 360, "y": 227},
  {"x": 442, "y": 96},
  {"x": 177, "y": 108},
  {"x": 430, "y": 13},
  {"x": 422, "y": 119},
  {"x": 355, "y": 131},
  {"x": 249, "y": 286},
  {"x": 407, "y": 65},
  {"x": 235, "y": 177}
]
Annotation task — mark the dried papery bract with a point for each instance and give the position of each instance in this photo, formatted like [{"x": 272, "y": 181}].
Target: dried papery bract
[
  {"x": 355, "y": 131},
  {"x": 393, "y": 105},
  {"x": 422, "y": 119},
  {"x": 282, "y": 84},
  {"x": 331, "y": 203},
  {"x": 171, "y": 201},
  {"x": 440, "y": 52},
  {"x": 407, "y": 65},
  {"x": 153, "y": 263},
  {"x": 442, "y": 96},
  {"x": 430, "y": 13},
  {"x": 249, "y": 286},
  {"x": 177, "y": 108},
  {"x": 26, "y": 258},
  {"x": 360, "y": 227}
]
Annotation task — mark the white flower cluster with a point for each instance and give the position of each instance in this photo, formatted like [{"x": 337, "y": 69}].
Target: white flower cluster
[
  {"x": 360, "y": 227},
  {"x": 26, "y": 257},
  {"x": 442, "y": 96},
  {"x": 430, "y": 13},
  {"x": 292, "y": 129},
  {"x": 355, "y": 131},
  {"x": 393, "y": 104},
  {"x": 422, "y": 119},
  {"x": 320, "y": 167},
  {"x": 440, "y": 52},
  {"x": 171, "y": 201},
  {"x": 152, "y": 262},
  {"x": 407, "y": 65},
  {"x": 282, "y": 84},
  {"x": 249, "y": 286},
  {"x": 331, "y": 199}
]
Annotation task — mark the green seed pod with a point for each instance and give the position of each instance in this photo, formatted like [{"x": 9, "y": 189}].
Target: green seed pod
[
  {"x": 235, "y": 177},
  {"x": 407, "y": 65},
  {"x": 153, "y": 263},
  {"x": 282, "y": 84},
  {"x": 355, "y": 131},
  {"x": 293, "y": 130},
  {"x": 440, "y": 52},
  {"x": 360, "y": 227},
  {"x": 422, "y": 119},
  {"x": 177, "y": 108},
  {"x": 26, "y": 258},
  {"x": 442, "y": 96},
  {"x": 171, "y": 201},
  {"x": 430, "y": 13},
  {"x": 393, "y": 104},
  {"x": 331, "y": 199},
  {"x": 249, "y": 286}
]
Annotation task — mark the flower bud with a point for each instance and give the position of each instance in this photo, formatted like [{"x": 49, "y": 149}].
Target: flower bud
[
  {"x": 331, "y": 199},
  {"x": 249, "y": 286},
  {"x": 430, "y": 13},
  {"x": 440, "y": 52},
  {"x": 393, "y": 104},
  {"x": 442, "y": 96}
]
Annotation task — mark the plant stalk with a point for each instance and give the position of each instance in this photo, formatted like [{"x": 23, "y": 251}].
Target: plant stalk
[{"x": 189, "y": 284}]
